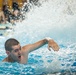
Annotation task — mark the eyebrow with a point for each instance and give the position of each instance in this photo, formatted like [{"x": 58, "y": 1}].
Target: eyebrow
[{"x": 18, "y": 48}]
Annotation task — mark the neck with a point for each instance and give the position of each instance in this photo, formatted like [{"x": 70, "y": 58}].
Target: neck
[{"x": 9, "y": 59}]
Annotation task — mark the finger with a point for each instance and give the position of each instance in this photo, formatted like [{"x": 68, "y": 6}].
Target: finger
[{"x": 49, "y": 48}]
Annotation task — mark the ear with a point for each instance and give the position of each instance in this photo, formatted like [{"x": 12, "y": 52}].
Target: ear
[{"x": 8, "y": 52}]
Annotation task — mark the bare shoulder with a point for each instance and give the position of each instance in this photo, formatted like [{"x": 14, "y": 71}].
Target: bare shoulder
[
  {"x": 1, "y": 12},
  {"x": 4, "y": 60},
  {"x": 25, "y": 48}
]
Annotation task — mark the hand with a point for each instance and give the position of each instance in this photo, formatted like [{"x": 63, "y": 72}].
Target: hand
[{"x": 53, "y": 45}]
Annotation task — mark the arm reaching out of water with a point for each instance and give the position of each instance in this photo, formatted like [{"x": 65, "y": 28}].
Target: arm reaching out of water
[
  {"x": 51, "y": 44},
  {"x": 16, "y": 53}
]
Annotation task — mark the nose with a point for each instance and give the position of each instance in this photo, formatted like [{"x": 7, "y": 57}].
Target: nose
[{"x": 19, "y": 52}]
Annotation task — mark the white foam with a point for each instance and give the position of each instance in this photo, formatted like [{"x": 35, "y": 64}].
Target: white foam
[{"x": 53, "y": 18}]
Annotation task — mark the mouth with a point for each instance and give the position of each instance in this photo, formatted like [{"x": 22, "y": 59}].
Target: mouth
[{"x": 19, "y": 57}]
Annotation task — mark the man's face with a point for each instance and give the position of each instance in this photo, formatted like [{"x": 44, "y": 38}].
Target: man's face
[{"x": 16, "y": 53}]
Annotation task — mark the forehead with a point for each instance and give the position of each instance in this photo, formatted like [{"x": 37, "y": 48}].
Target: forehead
[{"x": 16, "y": 46}]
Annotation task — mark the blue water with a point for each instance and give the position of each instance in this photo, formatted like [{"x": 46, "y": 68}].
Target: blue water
[{"x": 55, "y": 19}]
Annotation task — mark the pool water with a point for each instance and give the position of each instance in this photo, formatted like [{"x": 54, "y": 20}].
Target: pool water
[{"x": 55, "y": 19}]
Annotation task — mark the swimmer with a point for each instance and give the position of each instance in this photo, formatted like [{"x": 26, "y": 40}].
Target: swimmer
[{"x": 19, "y": 54}]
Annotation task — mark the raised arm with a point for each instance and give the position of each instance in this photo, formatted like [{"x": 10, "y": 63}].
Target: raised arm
[{"x": 51, "y": 43}]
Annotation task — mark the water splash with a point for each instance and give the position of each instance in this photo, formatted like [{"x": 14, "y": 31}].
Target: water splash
[{"x": 56, "y": 19}]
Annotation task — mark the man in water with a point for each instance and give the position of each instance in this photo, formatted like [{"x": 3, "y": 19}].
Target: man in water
[{"x": 19, "y": 54}]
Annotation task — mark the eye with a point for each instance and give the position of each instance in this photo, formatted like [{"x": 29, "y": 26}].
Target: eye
[{"x": 16, "y": 50}]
